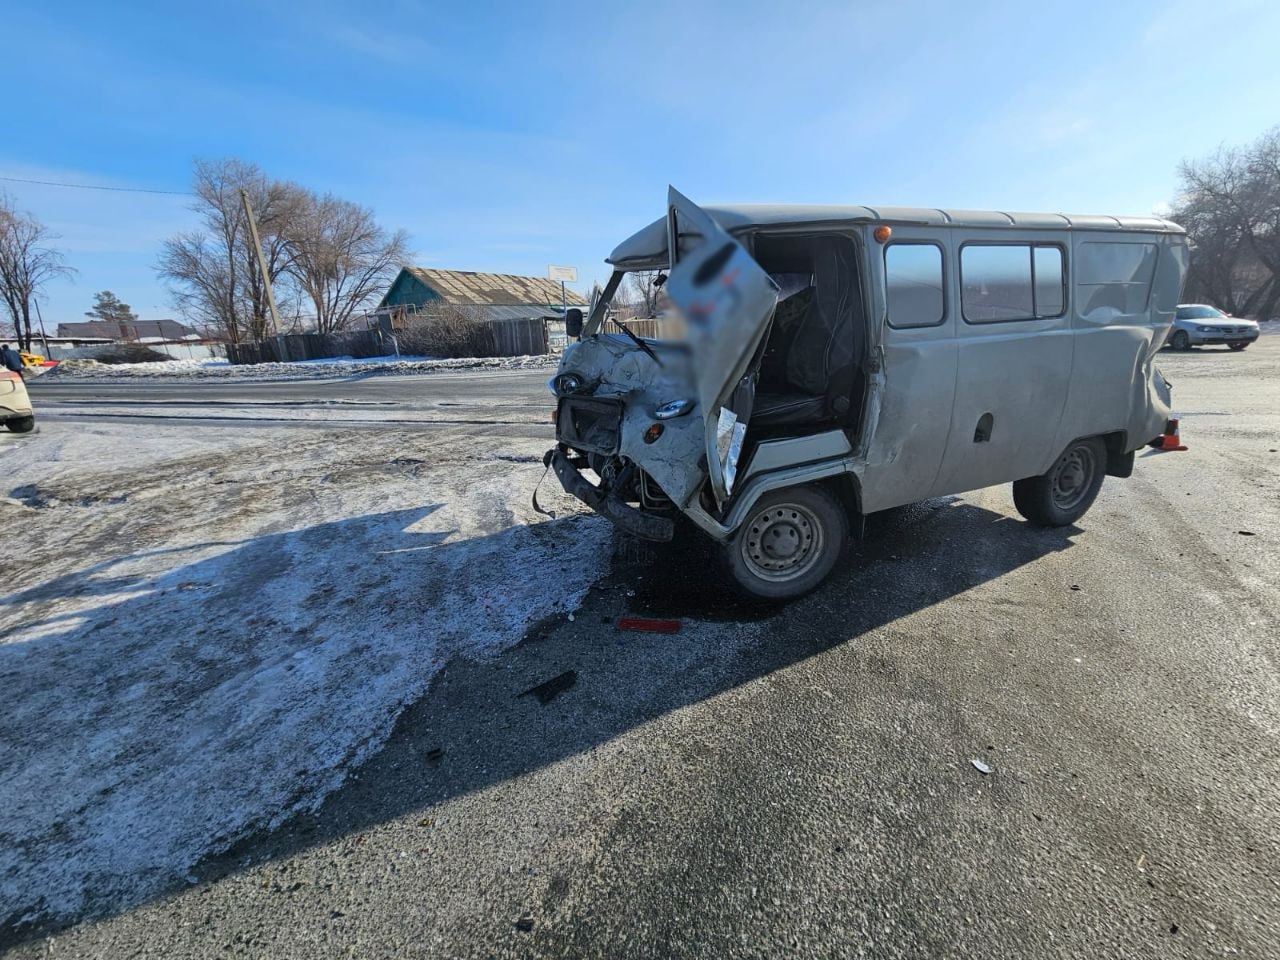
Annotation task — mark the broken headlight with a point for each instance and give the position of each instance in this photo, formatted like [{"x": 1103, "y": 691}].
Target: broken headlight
[
  {"x": 566, "y": 384},
  {"x": 672, "y": 409}
]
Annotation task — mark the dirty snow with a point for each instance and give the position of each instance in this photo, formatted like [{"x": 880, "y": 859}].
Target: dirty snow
[
  {"x": 335, "y": 367},
  {"x": 208, "y": 632}
]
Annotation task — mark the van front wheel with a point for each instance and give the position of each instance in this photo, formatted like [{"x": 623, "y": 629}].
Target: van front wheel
[
  {"x": 788, "y": 544},
  {"x": 1061, "y": 496}
]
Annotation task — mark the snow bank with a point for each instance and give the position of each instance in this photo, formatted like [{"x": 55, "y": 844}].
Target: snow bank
[
  {"x": 332, "y": 367},
  {"x": 211, "y": 631}
]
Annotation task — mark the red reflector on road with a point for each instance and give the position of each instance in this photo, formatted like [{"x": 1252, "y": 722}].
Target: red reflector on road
[{"x": 648, "y": 625}]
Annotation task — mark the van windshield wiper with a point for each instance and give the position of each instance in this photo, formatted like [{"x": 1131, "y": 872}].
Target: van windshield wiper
[{"x": 637, "y": 341}]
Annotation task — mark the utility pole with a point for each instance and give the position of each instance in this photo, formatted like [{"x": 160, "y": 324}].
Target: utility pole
[
  {"x": 262, "y": 261},
  {"x": 43, "y": 336}
]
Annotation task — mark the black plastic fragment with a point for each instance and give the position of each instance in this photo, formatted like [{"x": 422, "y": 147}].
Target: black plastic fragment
[{"x": 550, "y": 689}]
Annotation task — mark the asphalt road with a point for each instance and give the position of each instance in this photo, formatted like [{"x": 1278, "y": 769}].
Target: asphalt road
[
  {"x": 399, "y": 389},
  {"x": 424, "y": 399},
  {"x": 802, "y": 781}
]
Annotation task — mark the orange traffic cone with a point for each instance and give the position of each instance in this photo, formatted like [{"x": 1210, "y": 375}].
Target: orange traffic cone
[{"x": 1169, "y": 440}]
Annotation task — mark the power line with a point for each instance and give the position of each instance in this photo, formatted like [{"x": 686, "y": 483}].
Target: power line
[{"x": 92, "y": 186}]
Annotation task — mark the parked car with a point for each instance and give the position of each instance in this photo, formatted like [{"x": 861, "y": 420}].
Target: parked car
[
  {"x": 844, "y": 360},
  {"x": 1198, "y": 325},
  {"x": 15, "y": 405}
]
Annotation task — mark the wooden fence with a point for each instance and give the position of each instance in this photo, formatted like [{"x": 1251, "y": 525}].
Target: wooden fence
[
  {"x": 311, "y": 346},
  {"x": 508, "y": 338},
  {"x": 526, "y": 337},
  {"x": 652, "y": 329}
]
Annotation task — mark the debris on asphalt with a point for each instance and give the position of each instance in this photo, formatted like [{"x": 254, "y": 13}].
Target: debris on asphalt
[
  {"x": 525, "y": 924},
  {"x": 981, "y": 767},
  {"x": 1246, "y": 533},
  {"x": 1075, "y": 586},
  {"x": 649, "y": 624},
  {"x": 550, "y": 689},
  {"x": 434, "y": 754}
]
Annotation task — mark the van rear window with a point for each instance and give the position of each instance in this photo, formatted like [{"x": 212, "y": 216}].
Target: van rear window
[
  {"x": 1011, "y": 281},
  {"x": 1114, "y": 278}
]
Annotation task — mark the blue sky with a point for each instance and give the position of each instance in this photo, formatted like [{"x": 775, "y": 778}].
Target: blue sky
[{"x": 505, "y": 137}]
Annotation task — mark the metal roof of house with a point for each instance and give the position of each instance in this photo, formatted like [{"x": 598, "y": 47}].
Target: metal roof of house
[
  {"x": 134, "y": 330},
  {"x": 466, "y": 286},
  {"x": 651, "y": 242}
]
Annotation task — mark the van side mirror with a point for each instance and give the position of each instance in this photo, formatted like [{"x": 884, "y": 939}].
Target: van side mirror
[{"x": 573, "y": 323}]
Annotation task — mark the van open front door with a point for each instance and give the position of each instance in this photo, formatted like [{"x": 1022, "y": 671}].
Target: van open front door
[{"x": 727, "y": 301}]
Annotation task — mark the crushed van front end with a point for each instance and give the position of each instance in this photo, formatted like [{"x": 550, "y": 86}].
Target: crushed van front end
[{"x": 624, "y": 415}]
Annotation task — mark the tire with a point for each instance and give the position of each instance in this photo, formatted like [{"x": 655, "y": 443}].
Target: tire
[
  {"x": 21, "y": 424},
  {"x": 1063, "y": 495},
  {"x": 1237, "y": 346},
  {"x": 788, "y": 544},
  {"x": 1180, "y": 341}
]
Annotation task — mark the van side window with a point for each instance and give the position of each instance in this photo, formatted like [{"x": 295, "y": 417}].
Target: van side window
[
  {"x": 1011, "y": 281},
  {"x": 1051, "y": 287},
  {"x": 913, "y": 284}
]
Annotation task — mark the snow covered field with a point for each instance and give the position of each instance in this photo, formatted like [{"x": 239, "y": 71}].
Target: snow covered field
[
  {"x": 336, "y": 367},
  {"x": 203, "y": 631}
]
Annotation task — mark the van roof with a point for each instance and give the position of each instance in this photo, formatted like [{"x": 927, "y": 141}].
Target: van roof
[{"x": 651, "y": 242}]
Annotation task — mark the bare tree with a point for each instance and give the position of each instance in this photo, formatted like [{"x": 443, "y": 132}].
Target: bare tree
[
  {"x": 202, "y": 283},
  {"x": 213, "y": 272},
  {"x": 321, "y": 251},
  {"x": 340, "y": 258},
  {"x": 27, "y": 263},
  {"x": 646, "y": 293},
  {"x": 1230, "y": 206}
]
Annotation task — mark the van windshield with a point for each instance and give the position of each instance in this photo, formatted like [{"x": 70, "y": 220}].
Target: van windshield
[{"x": 643, "y": 305}]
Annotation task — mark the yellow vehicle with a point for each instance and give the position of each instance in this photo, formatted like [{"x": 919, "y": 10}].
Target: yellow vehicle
[{"x": 30, "y": 359}]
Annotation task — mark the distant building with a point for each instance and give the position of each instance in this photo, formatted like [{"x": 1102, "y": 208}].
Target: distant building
[
  {"x": 164, "y": 331},
  {"x": 492, "y": 296}
]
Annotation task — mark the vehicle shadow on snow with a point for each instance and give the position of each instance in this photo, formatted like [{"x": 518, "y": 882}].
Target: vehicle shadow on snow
[{"x": 475, "y": 726}]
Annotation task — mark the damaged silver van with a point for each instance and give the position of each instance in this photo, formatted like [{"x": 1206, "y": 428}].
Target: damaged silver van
[{"x": 836, "y": 361}]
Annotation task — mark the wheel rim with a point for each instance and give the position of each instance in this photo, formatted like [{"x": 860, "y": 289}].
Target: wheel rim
[
  {"x": 1073, "y": 476},
  {"x": 1181, "y": 341},
  {"x": 782, "y": 542}
]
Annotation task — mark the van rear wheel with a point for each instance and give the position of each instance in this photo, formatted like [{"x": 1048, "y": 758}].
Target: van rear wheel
[
  {"x": 21, "y": 424},
  {"x": 788, "y": 544},
  {"x": 1063, "y": 495}
]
